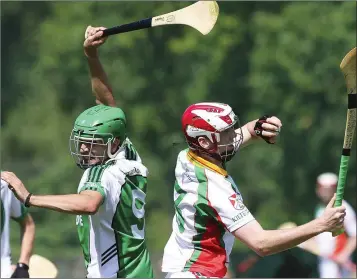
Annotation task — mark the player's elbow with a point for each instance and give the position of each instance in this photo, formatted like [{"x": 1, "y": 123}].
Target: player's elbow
[
  {"x": 91, "y": 211},
  {"x": 262, "y": 247},
  {"x": 91, "y": 208},
  {"x": 262, "y": 251},
  {"x": 259, "y": 246},
  {"x": 254, "y": 236},
  {"x": 90, "y": 202}
]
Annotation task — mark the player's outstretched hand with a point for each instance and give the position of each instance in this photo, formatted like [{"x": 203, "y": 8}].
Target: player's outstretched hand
[
  {"x": 92, "y": 40},
  {"x": 268, "y": 128},
  {"x": 15, "y": 185},
  {"x": 333, "y": 217}
]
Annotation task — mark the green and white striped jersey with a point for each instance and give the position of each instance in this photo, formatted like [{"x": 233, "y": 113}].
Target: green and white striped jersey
[
  {"x": 208, "y": 209},
  {"x": 113, "y": 239}
]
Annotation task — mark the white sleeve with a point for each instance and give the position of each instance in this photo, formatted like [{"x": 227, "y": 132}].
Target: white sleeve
[
  {"x": 17, "y": 210},
  {"x": 227, "y": 202},
  {"x": 4, "y": 184},
  {"x": 350, "y": 220}
]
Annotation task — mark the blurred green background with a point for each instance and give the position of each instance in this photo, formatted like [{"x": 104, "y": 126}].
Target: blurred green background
[{"x": 279, "y": 58}]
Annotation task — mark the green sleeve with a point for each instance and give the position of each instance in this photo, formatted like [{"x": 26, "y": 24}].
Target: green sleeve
[{"x": 94, "y": 186}]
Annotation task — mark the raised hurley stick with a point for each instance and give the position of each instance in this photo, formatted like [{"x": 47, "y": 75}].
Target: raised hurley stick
[
  {"x": 348, "y": 67},
  {"x": 201, "y": 15}
]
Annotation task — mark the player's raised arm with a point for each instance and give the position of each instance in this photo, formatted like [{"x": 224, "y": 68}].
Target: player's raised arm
[{"x": 99, "y": 80}]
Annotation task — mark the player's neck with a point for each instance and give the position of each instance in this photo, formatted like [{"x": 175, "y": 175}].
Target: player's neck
[{"x": 210, "y": 159}]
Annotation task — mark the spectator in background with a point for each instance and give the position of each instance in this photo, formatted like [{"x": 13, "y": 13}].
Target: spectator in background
[{"x": 342, "y": 246}]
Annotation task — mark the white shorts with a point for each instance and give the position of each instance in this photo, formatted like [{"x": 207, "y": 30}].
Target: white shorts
[{"x": 186, "y": 274}]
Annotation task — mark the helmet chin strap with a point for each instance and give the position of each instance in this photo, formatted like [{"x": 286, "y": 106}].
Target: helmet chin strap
[
  {"x": 109, "y": 152},
  {"x": 213, "y": 153}
]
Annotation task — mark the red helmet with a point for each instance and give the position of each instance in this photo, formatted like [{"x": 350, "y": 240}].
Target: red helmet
[{"x": 209, "y": 120}]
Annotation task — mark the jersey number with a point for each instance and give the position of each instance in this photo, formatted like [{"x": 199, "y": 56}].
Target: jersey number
[{"x": 139, "y": 213}]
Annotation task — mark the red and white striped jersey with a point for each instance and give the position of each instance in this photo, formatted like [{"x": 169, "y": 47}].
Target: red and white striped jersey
[{"x": 208, "y": 208}]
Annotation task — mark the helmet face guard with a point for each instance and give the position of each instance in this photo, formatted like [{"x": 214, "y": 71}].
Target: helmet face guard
[
  {"x": 230, "y": 149},
  {"x": 222, "y": 152},
  {"x": 97, "y": 148}
]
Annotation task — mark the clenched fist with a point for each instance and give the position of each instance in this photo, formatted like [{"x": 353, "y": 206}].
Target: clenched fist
[
  {"x": 92, "y": 40},
  {"x": 333, "y": 217},
  {"x": 268, "y": 128}
]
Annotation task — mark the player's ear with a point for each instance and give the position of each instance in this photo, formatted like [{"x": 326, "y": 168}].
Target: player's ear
[{"x": 204, "y": 142}]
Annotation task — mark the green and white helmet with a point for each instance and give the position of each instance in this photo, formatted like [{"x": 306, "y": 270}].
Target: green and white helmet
[{"x": 96, "y": 128}]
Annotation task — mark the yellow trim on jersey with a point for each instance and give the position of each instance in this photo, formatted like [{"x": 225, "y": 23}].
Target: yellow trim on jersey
[{"x": 201, "y": 162}]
